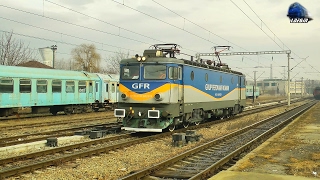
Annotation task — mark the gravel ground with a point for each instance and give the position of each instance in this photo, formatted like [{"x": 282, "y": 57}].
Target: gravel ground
[
  {"x": 119, "y": 163},
  {"x": 293, "y": 151},
  {"x": 43, "y": 120}
]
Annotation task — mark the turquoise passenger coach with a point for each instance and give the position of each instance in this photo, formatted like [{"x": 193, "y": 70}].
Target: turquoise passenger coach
[{"x": 43, "y": 89}]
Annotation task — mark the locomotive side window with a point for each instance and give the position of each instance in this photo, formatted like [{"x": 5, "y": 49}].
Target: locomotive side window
[
  {"x": 97, "y": 87},
  {"x": 192, "y": 75},
  {"x": 70, "y": 87},
  {"x": 41, "y": 86},
  {"x": 82, "y": 86},
  {"x": 173, "y": 73},
  {"x": 107, "y": 88},
  {"x": 155, "y": 72},
  {"x": 6, "y": 85},
  {"x": 232, "y": 80},
  {"x": 206, "y": 77},
  {"x": 56, "y": 86},
  {"x": 25, "y": 85},
  {"x": 130, "y": 72},
  {"x": 180, "y": 73}
]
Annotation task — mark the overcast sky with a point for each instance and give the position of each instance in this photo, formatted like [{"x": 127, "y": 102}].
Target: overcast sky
[{"x": 196, "y": 25}]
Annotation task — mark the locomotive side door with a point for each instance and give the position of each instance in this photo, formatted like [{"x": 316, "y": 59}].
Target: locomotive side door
[
  {"x": 240, "y": 79},
  {"x": 180, "y": 89}
]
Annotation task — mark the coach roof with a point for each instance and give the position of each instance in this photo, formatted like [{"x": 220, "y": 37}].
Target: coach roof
[{"x": 40, "y": 73}]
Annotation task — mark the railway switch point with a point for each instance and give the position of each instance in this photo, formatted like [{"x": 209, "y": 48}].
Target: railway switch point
[
  {"x": 114, "y": 129},
  {"x": 95, "y": 134},
  {"x": 192, "y": 136},
  {"x": 52, "y": 142},
  {"x": 81, "y": 133},
  {"x": 178, "y": 139}
]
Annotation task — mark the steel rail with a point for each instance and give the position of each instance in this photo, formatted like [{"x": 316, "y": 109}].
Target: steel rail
[
  {"x": 158, "y": 170},
  {"x": 14, "y": 140},
  {"x": 32, "y": 167}
]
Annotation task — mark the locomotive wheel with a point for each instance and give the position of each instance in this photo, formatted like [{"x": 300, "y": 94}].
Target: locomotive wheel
[
  {"x": 197, "y": 123},
  {"x": 171, "y": 128}
]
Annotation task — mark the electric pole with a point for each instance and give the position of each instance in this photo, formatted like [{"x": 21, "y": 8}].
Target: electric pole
[{"x": 254, "y": 87}]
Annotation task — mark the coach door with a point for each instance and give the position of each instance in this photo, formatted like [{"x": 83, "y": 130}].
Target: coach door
[
  {"x": 91, "y": 98},
  {"x": 99, "y": 90},
  {"x": 240, "y": 80}
]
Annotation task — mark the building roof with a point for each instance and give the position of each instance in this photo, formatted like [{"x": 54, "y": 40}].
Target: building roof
[{"x": 34, "y": 64}]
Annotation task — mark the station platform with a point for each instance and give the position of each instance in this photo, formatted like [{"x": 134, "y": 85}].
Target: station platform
[
  {"x": 301, "y": 140},
  {"x": 233, "y": 175}
]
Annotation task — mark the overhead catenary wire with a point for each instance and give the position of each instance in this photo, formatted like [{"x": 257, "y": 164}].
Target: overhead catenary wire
[
  {"x": 81, "y": 38},
  {"x": 186, "y": 19}
]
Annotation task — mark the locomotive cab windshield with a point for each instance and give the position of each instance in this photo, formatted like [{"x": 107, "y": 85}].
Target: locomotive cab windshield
[
  {"x": 130, "y": 72},
  {"x": 155, "y": 72}
]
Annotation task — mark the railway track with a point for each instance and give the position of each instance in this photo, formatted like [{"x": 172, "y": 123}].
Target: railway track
[
  {"x": 209, "y": 158},
  {"x": 27, "y": 138},
  {"x": 81, "y": 150},
  {"x": 60, "y": 122},
  {"x": 29, "y": 115}
]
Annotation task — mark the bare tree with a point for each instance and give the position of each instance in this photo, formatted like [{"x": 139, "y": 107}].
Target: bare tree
[
  {"x": 12, "y": 51},
  {"x": 86, "y": 58},
  {"x": 113, "y": 62},
  {"x": 65, "y": 64}
]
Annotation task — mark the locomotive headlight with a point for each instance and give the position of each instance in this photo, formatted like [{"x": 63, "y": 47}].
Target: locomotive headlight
[
  {"x": 123, "y": 96},
  {"x": 158, "y": 97},
  {"x": 139, "y": 58},
  {"x": 143, "y": 58}
]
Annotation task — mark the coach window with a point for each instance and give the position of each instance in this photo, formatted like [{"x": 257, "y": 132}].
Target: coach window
[
  {"x": 70, "y": 87},
  {"x": 155, "y": 72},
  {"x": 6, "y": 85},
  {"x": 206, "y": 77},
  {"x": 41, "y": 86},
  {"x": 107, "y": 88},
  {"x": 180, "y": 73},
  {"x": 192, "y": 75},
  {"x": 113, "y": 88},
  {"x": 56, "y": 86},
  {"x": 25, "y": 85},
  {"x": 82, "y": 86},
  {"x": 97, "y": 87},
  {"x": 90, "y": 87}
]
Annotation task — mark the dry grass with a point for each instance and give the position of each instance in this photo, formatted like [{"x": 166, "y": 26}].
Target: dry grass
[
  {"x": 246, "y": 165},
  {"x": 302, "y": 168},
  {"x": 315, "y": 156}
]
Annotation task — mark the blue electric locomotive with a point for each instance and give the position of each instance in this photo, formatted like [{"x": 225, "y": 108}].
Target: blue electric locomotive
[{"x": 159, "y": 92}]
